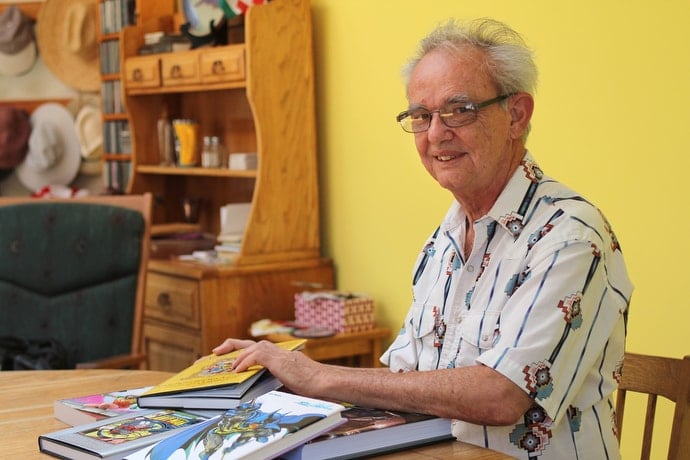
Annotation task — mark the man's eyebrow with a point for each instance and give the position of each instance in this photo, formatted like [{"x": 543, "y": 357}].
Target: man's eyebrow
[
  {"x": 455, "y": 99},
  {"x": 458, "y": 98},
  {"x": 413, "y": 107}
]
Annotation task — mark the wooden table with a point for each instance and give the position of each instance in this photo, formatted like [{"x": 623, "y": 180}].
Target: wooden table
[
  {"x": 26, "y": 410},
  {"x": 353, "y": 349}
]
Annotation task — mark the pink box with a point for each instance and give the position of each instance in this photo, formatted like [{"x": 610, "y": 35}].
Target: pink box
[{"x": 338, "y": 311}]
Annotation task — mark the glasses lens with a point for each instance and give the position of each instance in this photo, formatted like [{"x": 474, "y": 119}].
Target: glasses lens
[
  {"x": 416, "y": 121},
  {"x": 456, "y": 115}
]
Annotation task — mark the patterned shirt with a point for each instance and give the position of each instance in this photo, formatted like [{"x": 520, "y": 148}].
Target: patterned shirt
[{"x": 542, "y": 299}]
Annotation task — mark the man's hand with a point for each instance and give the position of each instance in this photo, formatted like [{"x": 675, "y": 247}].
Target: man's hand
[
  {"x": 295, "y": 370},
  {"x": 232, "y": 344}
]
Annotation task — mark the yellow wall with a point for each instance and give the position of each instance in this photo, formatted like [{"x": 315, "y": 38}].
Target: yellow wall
[{"x": 612, "y": 120}]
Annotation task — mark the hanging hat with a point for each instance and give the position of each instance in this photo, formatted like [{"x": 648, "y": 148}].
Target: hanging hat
[
  {"x": 89, "y": 128},
  {"x": 17, "y": 44},
  {"x": 53, "y": 157},
  {"x": 14, "y": 138},
  {"x": 66, "y": 31}
]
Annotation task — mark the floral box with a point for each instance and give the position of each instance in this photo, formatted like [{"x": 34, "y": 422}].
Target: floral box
[{"x": 338, "y": 311}]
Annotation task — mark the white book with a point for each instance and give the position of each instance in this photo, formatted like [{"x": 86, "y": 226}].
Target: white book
[{"x": 262, "y": 429}]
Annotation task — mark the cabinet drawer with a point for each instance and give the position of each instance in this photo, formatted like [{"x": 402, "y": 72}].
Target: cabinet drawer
[
  {"x": 169, "y": 348},
  {"x": 142, "y": 72},
  {"x": 180, "y": 68},
  {"x": 222, "y": 64},
  {"x": 172, "y": 299}
]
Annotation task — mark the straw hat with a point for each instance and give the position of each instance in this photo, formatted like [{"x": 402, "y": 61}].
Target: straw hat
[
  {"x": 66, "y": 31},
  {"x": 17, "y": 44},
  {"x": 89, "y": 129},
  {"x": 53, "y": 157}
]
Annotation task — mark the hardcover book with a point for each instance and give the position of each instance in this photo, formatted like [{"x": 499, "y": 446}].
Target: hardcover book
[
  {"x": 212, "y": 371},
  {"x": 92, "y": 408},
  {"x": 225, "y": 397},
  {"x": 370, "y": 431},
  {"x": 116, "y": 437},
  {"x": 260, "y": 429}
]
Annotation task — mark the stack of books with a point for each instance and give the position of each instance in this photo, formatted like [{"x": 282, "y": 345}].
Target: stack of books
[
  {"x": 243, "y": 160},
  {"x": 160, "y": 42},
  {"x": 209, "y": 411}
]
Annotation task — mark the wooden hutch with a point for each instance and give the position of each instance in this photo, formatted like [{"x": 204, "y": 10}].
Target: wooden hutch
[{"x": 257, "y": 95}]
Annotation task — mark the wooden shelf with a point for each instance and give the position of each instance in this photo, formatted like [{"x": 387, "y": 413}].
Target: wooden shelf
[
  {"x": 31, "y": 104},
  {"x": 30, "y": 9},
  {"x": 181, "y": 171}
]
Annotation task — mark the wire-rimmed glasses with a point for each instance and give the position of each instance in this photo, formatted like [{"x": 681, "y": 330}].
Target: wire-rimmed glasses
[{"x": 453, "y": 114}]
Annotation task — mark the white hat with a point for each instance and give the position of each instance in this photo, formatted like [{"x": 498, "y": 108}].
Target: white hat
[
  {"x": 53, "y": 157},
  {"x": 89, "y": 128},
  {"x": 17, "y": 44}
]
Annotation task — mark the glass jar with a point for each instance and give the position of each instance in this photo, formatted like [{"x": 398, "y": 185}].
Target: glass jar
[{"x": 212, "y": 153}]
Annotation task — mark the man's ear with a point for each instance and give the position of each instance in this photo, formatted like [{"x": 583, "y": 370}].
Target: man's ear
[{"x": 521, "y": 106}]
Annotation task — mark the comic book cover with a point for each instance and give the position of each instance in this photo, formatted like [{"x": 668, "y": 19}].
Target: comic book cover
[
  {"x": 260, "y": 429},
  {"x": 213, "y": 371},
  {"x": 117, "y": 436},
  {"x": 85, "y": 409}
]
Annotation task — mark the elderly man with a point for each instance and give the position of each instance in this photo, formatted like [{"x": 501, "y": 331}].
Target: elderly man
[{"x": 517, "y": 326}]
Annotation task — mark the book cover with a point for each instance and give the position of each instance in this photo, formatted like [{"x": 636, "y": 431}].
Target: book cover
[
  {"x": 212, "y": 371},
  {"x": 92, "y": 408},
  {"x": 225, "y": 397},
  {"x": 117, "y": 436},
  {"x": 369, "y": 431},
  {"x": 260, "y": 429}
]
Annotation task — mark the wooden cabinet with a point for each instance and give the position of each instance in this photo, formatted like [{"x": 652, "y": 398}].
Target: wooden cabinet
[
  {"x": 256, "y": 96},
  {"x": 191, "y": 308}
]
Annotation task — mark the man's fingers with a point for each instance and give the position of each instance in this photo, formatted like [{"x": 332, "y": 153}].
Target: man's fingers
[{"x": 231, "y": 344}]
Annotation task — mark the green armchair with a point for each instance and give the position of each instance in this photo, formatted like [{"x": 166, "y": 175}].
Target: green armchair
[{"x": 74, "y": 270}]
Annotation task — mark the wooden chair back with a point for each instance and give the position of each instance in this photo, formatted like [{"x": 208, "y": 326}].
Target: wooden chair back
[{"x": 658, "y": 376}]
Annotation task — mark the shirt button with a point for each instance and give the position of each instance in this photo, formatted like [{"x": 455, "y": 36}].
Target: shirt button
[
  {"x": 485, "y": 337},
  {"x": 470, "y": 268}
]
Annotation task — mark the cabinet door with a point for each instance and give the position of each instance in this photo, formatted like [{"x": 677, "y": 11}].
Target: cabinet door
[{"x": 169, "y": 348}]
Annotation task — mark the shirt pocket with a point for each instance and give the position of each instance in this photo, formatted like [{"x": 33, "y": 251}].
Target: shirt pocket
[
  {"x": 479, "y": 332},
  {"x": 413, "y": 348}
]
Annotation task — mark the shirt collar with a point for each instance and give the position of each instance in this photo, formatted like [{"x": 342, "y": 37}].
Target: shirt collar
[{"x": 511, "y": 204}]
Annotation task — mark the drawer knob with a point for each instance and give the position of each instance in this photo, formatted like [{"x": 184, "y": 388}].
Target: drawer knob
[
  {"x": 137, "y": 75},
  {"x": 218, "y": 67},
  {"x": 164, "y": 302},
  {"x": 176, "y": 71}
]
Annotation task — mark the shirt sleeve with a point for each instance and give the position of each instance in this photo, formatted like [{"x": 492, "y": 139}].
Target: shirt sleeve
[{"x": 564, "y": 323}]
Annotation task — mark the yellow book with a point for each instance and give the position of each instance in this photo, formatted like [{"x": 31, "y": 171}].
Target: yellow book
[{"x": 213, "y": 371}]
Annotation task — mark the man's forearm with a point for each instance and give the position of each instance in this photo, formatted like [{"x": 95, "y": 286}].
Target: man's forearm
[{"x": 475, "y": 394}]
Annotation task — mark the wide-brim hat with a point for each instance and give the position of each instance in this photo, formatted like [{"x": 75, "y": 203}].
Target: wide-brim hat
[
  {"x": 54, "y": 152},
  {"x": 89, "y": 128},
  {"x": 66, "y": 31},
  {"x": 17, "y": 43}
]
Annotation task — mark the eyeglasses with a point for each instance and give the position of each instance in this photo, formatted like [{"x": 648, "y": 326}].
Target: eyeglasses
[{"x": 453, "y": 115}]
